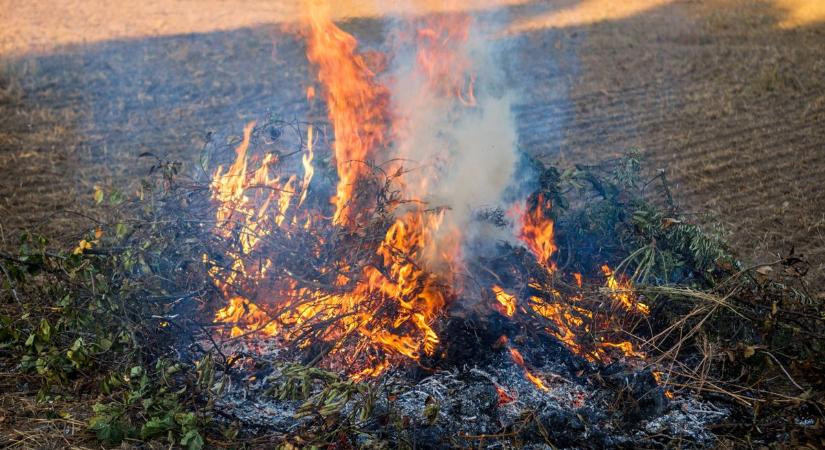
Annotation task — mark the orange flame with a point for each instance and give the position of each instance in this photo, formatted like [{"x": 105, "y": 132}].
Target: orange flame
[
  {"x": 506, "y": 302},
  {"x": 537, "y": 233},
  {"x": 519, "y": 360},
  {"x": 388, "y": 305},
  {"x": 356, "y": 102},
  {"x": 564, "y": 318},
  {"x": 622, "y": 293},
  {"x": 442, "y": 60}
]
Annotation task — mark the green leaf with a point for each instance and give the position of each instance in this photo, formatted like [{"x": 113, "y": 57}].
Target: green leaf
[
  {"x": 106, "y": 424},
  {"x": 77, "y": 354},
  {"x": 115, "y": 198},
  {"x": 186, "y": 420},
  {"x": 120, "y": 230},
  {"x": 157, "y": 426},
  {"x": 192, "y": 440},
  {"x": 136, "y": 372},
  {"x": 45, "y": 330},
  {"x": 104, "y": 344}
]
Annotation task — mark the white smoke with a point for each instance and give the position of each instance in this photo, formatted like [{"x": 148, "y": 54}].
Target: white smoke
[{"x": 458, "y": 156}]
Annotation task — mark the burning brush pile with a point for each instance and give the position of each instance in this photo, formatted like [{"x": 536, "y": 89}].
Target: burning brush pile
[
  {"x": 382, "y": 317},
  {"x": 400, "y": 265}
]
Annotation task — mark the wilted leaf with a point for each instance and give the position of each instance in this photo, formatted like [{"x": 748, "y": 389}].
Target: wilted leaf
[
  {"x": 98, "y": 195},
  {"x": 764, "y": 270},
  {"x": 668, "y": 222}
]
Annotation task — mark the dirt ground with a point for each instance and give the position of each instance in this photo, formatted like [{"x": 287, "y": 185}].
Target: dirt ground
[{"x": 726, "y": 96}]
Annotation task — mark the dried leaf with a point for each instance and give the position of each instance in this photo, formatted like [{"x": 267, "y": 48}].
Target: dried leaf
[{"x": 764, "y": 270}]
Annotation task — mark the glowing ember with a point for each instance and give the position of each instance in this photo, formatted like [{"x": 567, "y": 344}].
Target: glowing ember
[{"x": 503, "y": 396}]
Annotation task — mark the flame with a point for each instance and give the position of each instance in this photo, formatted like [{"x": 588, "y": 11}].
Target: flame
[
  {"x": 441, "y": 59},
  {"x": 519, "y": 360},
  {"x": 622, "y": 293},
  {"x": 356, "y": 102},
  {"x": 625, "y": 347},
  {"x": 537, "y": 232},
  {"x": 536, "y": 381},
  {"x": 578, "y": 278},
  {"x": 387, "y": 305},
  {"x": 563, "y": 320},
  {"x": 506, "y": 302},
  {"x": 380, "y": 304},
  {"x": 657, "y": 375},
  {"x": 306, "y": 161}
]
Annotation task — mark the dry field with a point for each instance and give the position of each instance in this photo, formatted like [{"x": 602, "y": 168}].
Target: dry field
[{"x": 728, "y": 97}]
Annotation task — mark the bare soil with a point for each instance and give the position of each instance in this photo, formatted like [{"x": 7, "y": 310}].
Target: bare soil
[{"x": 722, "y": 95}]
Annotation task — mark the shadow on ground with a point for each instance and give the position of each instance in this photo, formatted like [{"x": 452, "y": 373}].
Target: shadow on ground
[{"x": 719, "y": 96}]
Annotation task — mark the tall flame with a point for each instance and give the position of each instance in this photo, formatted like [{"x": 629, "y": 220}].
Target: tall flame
[
  {"x": 537, "y": 232},
  {"x": 356, "y": 102}
]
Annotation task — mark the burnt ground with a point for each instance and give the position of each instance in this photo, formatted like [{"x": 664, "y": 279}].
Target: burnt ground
[{"x": 716, "y": 93}]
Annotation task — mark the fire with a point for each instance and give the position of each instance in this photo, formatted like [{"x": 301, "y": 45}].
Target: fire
[
  {"x": 536, "y": 381},
  {"x": 622, "y": 293},
  {"x": 564, "y": 320},
  {"x": 388, "y": 303},
  {"x": 506, "y": 302},
  {"x": 657, "y": 375},
  {"x": 383, "y": 270},
  {"x": 519, "y": 360},
  {"x": 306, "y": 161},
  {"x": 440, "y": 59},
  {"x": 625, "y": 347},
  {"x": 356, "y": 102},
  {"x": 537, "y": 232},
  {"x": 390, "y": 306}
]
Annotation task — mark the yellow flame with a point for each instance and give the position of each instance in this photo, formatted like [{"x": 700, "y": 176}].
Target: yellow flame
[
  {"x": 506, "y": 302},
  {"x": 622, "y": 293}
]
